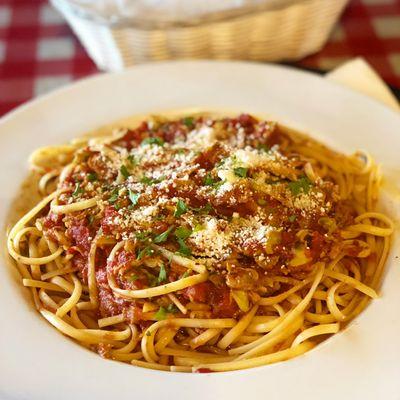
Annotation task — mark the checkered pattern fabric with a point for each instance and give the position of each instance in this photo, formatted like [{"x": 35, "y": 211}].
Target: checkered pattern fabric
[{"x": 38, "y": 51}]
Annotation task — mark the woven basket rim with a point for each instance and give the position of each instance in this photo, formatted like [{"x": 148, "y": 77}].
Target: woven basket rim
[{"x": 218, "y": 17}]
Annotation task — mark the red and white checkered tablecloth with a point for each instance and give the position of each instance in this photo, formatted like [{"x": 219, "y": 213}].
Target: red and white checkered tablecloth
[{"x": 38, "y": 51}]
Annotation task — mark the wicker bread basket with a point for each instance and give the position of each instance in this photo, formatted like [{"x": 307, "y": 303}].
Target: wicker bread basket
[{"x": 287, "y": 33}]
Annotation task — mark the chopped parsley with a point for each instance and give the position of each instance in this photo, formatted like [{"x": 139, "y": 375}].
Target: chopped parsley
[
  {"x": 181, "y": 208},
  {"x": 198, "y": 228},
  {"x": 124, "y": 171},
  {"x": 114, "y": 196},
  {"x": 292, "y": 218},
  {"x": 203, "y": 210},
  {"x": 162, "y": 237},
  {"x": 132, "y": 160},
  {"x": 142, "y": 236},
  {"x": 92, "y": 176},
  {"x": 171, "y": 308},
  {"x": 163, "y": 312},
  {"x": 133, "y": 278},
  {"x": 78, "y": 190},
  {"x": 208, "y": 180},
  {"x": 153, "y": 140},
  {"x": 188, "y": 121},
  {"x": 146, "y": 251},
  {"x": 301, "y": 185},
  {"x": 240, "y": 171},
  {"x": 186, "y": 274},
  {"x": 162, "y": 276},
  {"x": 183, "y": 248},
  {"x": 263, "y": 147},
  {"x": 151, "y": 181},
  {"x": 133, "y": 197},
  {"x": 182, "y": 232}
]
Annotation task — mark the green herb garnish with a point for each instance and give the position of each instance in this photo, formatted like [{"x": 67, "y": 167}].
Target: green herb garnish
[
  {"x": 185, "y": 275},
  {"x": 133, "y": 278},
  {"x": 183, "y": 248},
  {"x": 114, "y": 196},
  {"x": 142, "y": 235},
  {"x": 133, "y": 197},
  {"x": 182, "y": 232},
  {"x": 78, "y": 190},
  {"x": 91, "y": 219},
  {"x": 162, "y": 237},
  {"x": 92, "y": 176},
  {"x": 161, "y": 314},
  {"x": 181, "y": 208},
  {"x": 150, "y": 181},
  {"x": 146, "y": 251},
  {"x": 124, "y": 171},
  {"x": 132, "y": 160},
  {"x": 263, "y": 147},
  {"x": 301, "y": 185},
  {"x": 208, "y": 180},
  {"x": 153, "y": 140},
  {"x": 198, "y": 228},
  {"x": 188, "y": 121},
  {"x": 240, "y": 171},
  {"x": 162, "y": 276},
  {"x": 292, "y": 218},
  {"x": 203, "y": 210},
  {"x": 171, "y": 308}
]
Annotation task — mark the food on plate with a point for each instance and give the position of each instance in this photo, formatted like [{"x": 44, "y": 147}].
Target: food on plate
[{"x": 201, "y": 243}]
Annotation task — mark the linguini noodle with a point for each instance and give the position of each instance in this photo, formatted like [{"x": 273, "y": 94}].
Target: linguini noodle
[{"x": 201, "y": 244}]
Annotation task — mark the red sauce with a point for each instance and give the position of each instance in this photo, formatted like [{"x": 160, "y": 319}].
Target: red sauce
[
  {"x": 109, "y": 222},
  {"x": 52, "y": 220},
  {"x": 80, "y": 234},
  {"x": 219, "y": 298}
]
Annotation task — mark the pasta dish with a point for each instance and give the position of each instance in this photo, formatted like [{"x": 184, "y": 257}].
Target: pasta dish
[{"x": 201, "y": 243}]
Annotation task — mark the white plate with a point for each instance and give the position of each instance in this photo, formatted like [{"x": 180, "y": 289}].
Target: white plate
[{"x": 36, "y": 362}]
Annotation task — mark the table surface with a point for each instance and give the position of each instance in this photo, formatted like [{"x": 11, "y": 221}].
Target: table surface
[{"x": 39, "y": 52}]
